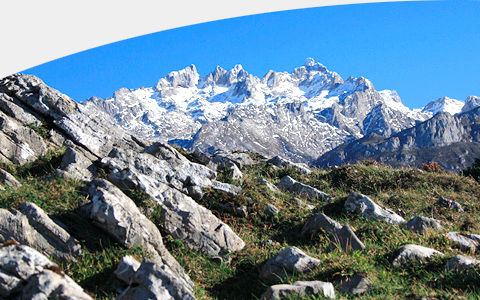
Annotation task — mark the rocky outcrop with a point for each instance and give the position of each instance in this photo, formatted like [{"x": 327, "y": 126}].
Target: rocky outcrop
[
  {"x": 291, "y": 185},
  {"x": 410, "y": 253},
  {"x": 27, "y": 274},
  {"x": 298, "y": 289},
  {"x": 343, "y": 236},
  {"x": 31, "y": 226},
  {"x": 466, "y": 242},
  {"x": 450, "y": 204},
  {"x": 364, "y": 206},
  {"x": 461, "y": 262},
  {"x": 183, "y": 218},
  {"x": 7, "y": 179},
  {"x": 154, "y": 281},
  {"x": 281, "y": 162},
  {"x": 422, "y": 224},
  {"x": 20, "y": 144},
  {"x": 289, "y": 261},
  {"x": 115, "y": 213}
]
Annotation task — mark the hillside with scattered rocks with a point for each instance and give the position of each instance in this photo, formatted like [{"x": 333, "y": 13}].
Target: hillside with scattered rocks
[{"x": 90, "y": 211}]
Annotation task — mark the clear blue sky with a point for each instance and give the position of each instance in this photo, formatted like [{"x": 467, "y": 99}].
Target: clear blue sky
[{"x": 423, "y": 50}]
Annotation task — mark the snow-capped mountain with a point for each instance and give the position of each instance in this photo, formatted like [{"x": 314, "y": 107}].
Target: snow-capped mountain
[{"x": 299, "y": 115}]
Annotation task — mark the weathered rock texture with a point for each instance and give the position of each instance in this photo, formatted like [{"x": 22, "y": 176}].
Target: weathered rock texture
[
  {"x": 364, "y": 206},
  {"x": 8, "y": 179},
  {"x": 410, "y": 253},
  {"x": 422, "y": 224},
  {"x": 299, "y": 288},
  {"x": 343, "y": 236},
  {"x": 27, "y": 274},
  {"x": 116, "y": 214},
  {"x": 461, "y": 262},
  {"x": 183, "y": 218},
  {"x": 154, "y": 281},
  {"x": 33, "y": 227},
  {"x": 291, "y": 185},
  {"x": 289, "y": 261},
  {"x": 466, "y": 242}
]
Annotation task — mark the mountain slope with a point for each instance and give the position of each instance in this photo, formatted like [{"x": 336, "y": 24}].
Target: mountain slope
[{"x": 453, "y": 141}]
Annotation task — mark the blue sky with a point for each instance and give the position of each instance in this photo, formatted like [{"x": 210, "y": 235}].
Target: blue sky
[{"x": 423, "y": 50}]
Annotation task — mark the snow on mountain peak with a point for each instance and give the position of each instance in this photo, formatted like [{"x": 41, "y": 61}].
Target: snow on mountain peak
[{"x": 444, "y": 104}]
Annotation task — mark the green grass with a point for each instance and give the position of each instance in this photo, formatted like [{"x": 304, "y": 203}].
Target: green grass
[{"x": 413, "y": 191}]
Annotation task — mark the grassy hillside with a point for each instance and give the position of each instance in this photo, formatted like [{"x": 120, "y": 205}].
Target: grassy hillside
[{"x": 411, "y": 190}]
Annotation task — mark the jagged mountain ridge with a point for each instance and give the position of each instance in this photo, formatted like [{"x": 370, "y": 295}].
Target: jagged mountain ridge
[
  {"x": 451, "y": 140},
  {"x": 194, "y": 111}
]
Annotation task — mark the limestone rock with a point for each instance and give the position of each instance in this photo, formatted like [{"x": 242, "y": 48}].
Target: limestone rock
[
  {"x": 291, "y": 185},
  {"x": 299, "y": 288},
  {"x": 281, "y": 162},
  {"x": 77, "y": 165},
  {"x": 160, "y": 163},
  {"x": 224, "y": 159},
  {"x": 28, "y": 274},
  {"x": 319, "y": 222},
  {"x": 154, "y": 281},
  {"x": 118, "y": 215},
  {"x": 421, "y": 224},
  {"x": 33, "y": 227},
  {"x": 226, "y": 187},
  {"x": 364, "y": 206},
  {"x": 269, "y": 185},
  {"x": 409, "y": 253},
  {"x": 271, "y": 210},
  {"x": 342, "y": 235},
  {"x": 451, "y": 204},
  {"x": 8, "y": 179},
  {"x": 346, "y": 239},
  {"x": 289, "y": 261},
  {"x": 235, "y": 172},
  {"x": 355, "y": 285},
  {"x": 126, "y": 269},
  {"x": 461, "y": 262},
  {"x": 20, "y": 144},
  {"x": 15, "y": 109},
  {"x": 465, "y": 242}
]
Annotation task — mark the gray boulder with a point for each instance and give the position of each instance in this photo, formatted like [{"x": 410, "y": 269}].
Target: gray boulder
[
  {"x": 225, "y": 159},
  {"x": 235, "y": 172},
  {"x": 299, "y": 288},
  {"x": 410, "y": 253},
  {"x": 461, "y": 262},
  {"x": 422, "y": 224},
  {"x": 355, "y": 285},
  {"x": 364, "y": 206},
  {"x": 115, "y": 213},
  {"x": 289, "y": 261},
  {"x": 291, "y": 185},
  {"x": 8, "y": 179},
  {"x": 226, "y": 187},
  {"x": 20, "y": 144},
  {"x": 450, "y": 204},
  {"x": 28, "y": 274},
  {"x": 271, "y": 210},
  {"x": 160, "y": 163},
  {"x": 15, "y": 109},
  {"x": 465, "y": 242},
  {"x": 153, "y": 281},
  {"x": 126, "y": 269},
  {"x": 346, "y": 240},
  {"x": 77, "y": 166},
  {"x": 269, "y": 185},
  {"x": 343, "y": 236},
  {"x": 281, "y": 162},
  {"x": 33, "y": 227},
  {"x": 318, "y": 222}
]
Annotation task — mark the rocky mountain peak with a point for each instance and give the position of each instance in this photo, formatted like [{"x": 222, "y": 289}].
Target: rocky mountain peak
[
  {"x": 185, "y": 78},
  {"x": 444, "y": 104},
  {"x": 471, "y": 102}
]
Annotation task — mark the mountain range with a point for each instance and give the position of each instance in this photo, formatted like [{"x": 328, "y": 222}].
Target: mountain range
[{"x": 301, "y": 116}]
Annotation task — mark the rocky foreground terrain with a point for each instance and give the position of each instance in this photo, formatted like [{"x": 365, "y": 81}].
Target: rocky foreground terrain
[{"x": 90, "y": 211}]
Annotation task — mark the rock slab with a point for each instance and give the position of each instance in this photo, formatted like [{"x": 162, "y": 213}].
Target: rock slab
[{"x": 364, "y": 206}]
